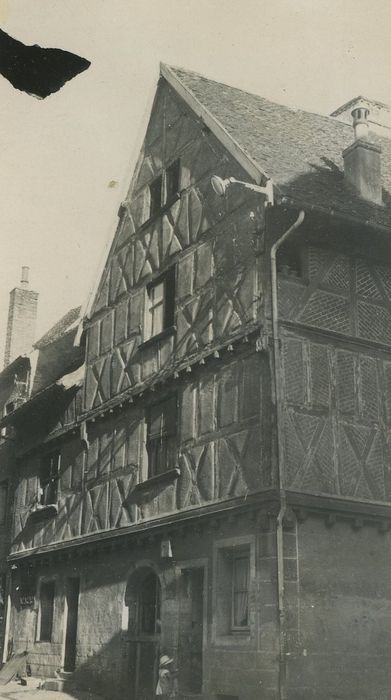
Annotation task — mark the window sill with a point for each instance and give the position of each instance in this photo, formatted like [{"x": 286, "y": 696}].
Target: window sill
[
  {"x": 159, "y": 336},
  {"x": 144, "y": 488}
]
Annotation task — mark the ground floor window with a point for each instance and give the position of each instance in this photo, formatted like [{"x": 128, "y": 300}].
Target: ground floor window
[
  {"x": 233, "y": 585},
  {"x": 240, "y": 590}
]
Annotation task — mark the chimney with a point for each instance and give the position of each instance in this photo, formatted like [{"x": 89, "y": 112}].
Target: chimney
[
  {"x": 22, "y": 316},
  {"x": 362, "y": 162}
]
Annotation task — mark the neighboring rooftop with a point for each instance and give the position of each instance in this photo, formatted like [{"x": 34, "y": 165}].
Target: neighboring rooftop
[
  {"x": 301, "y": 151},
  {"x": 379, "y": 119},
  {"x": 55, "y": 354},
  {"x": 64, "y": 325}
]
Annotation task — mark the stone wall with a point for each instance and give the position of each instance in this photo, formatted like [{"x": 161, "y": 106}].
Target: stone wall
[
  {"x": 340, "y": 596},
  {"x": 235, "y": 664}
]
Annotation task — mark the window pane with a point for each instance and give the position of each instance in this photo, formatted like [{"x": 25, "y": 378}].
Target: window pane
[
  {"x": 161, "y": 436},
  {"x": 155, "y": 190},
  {"x": 49, "y": 478},
  {"x": 240, "y": 591},
  {"x": 157, "y": 294},
  {"x": 157, "y": 319},
  {"x": 172, "y": 181}
]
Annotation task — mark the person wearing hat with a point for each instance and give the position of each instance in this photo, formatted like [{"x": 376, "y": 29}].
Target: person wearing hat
[{"x": 166, "y": 685}]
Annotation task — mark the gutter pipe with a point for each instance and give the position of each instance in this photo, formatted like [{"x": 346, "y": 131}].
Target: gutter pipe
[{"x": 280, "y": 450}]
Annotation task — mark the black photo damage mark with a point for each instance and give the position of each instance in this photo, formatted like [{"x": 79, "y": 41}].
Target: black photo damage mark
[{"x": 36, "y": 70}]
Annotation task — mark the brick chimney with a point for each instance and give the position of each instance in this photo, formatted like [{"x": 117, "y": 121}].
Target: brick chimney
[
  {"x": 22, "y": 316},
  {"x": 362, "y": 161}
]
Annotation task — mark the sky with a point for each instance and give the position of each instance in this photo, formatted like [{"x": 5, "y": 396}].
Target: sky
[{"x": 66, "y": 161}]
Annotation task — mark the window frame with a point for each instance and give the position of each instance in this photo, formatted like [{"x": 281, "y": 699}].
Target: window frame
[
  {"x": 172, "y": 174},
  {"x": 223, "y": 630},
  {"x": 161, "y": 195},
  {"x": 170, "y": 438},
  {"x": 51, "y": 480},
  {"x": 156, "y": 202},
  {"x": 168, "y": 281},
  {"x": 237, "y": 554}
]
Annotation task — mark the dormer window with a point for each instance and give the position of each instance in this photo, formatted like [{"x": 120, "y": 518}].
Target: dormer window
[
  {"x": 164, "y": 189},
  {"x": 48, "y": 479}
]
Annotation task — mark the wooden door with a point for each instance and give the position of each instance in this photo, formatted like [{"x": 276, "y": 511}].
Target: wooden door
[
  {"x": 191, "y": 630},
  {"x": 144, "y": 635}
]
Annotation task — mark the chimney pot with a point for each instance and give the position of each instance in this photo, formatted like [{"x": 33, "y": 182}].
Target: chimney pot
[
  {"x": 25, "y": 276},
  {"x": 362, "y": 160},
  {"x": 360, "y": 122}
]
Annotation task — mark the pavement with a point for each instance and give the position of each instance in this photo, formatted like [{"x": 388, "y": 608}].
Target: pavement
[{"x": 14, "y": 691}]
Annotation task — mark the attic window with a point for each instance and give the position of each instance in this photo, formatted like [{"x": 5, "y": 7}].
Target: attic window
[
  {"x": 164, "y": 189},
  {"x": 172, "y": 181},
  {"x": 155, "y": 191}
]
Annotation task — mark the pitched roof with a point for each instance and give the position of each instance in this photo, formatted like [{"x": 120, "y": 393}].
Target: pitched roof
[
  {"x": 62, "y": 326},
  {"x": 301, "y": 151}
]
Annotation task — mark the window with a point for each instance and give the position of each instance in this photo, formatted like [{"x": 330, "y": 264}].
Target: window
[
  {"x": 149, "y": 605},
  {"x": 172, "y": 181},
  {"x": 160, "y": 305},
  {"x": 3, "y": 501},
  {"x": 155, "y": 192},
  {"x": 164, "y": 189},
  {"x": 240, "y": 589},
  {"x": 46, "y": 608},
  {"x": 161, "y": 437},
  {"x": 233, "y": 588},
  {"x": 48, "y": 480}
]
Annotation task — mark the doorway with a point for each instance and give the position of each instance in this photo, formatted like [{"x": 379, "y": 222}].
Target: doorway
[
  {"x": 144, "y": 636},
  {"x": 72, "y": 611},
  {"x": 191, "y": 630}
]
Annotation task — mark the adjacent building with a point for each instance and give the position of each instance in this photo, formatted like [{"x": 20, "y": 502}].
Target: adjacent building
[{"x": 202, "y": 455}]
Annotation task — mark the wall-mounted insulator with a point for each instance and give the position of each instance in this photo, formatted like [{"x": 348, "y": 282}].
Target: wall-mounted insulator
[
  {"x": 188, "y": 369},
  {"x": 230, "y": 348},
  {"x": 216, "y": 354},
  {"x": 202, "y": 361}
]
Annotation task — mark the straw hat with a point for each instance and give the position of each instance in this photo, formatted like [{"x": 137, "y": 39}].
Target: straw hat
[{"x": 165, "y": 660}]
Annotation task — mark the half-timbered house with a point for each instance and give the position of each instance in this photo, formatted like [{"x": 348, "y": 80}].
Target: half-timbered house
[{"x": 220, "y": 493}]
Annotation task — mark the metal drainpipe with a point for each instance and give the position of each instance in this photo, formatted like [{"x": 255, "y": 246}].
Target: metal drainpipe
[{"x": 280, "y": 450}]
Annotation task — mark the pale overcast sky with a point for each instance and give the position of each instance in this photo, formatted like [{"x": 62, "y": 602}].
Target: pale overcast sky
[{"x": 60, "y": 154}]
